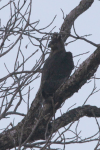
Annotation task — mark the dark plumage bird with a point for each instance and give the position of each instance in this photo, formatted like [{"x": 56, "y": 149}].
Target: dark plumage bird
[{"x": 57, "y": 67}]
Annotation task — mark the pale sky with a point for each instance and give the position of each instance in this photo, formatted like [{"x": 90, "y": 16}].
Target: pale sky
[{"x": 87, "y": 23}]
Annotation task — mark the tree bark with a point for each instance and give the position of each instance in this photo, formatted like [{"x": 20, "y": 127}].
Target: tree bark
[{"x": 72, "y": 16}]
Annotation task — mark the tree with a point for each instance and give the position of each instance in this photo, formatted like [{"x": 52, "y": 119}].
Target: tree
[{"x": 40, "y": 123}]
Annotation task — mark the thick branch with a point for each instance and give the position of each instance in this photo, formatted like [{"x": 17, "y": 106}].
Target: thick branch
[
  {"x": 71, "y": 17},
  {"x": 74, "y": 115}
]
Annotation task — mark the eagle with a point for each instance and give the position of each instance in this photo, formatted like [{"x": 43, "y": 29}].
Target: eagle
[{"x": 57, "y": 67}]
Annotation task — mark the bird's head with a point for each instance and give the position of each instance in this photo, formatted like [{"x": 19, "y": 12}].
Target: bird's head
[{"x": 56, "y": 43}]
